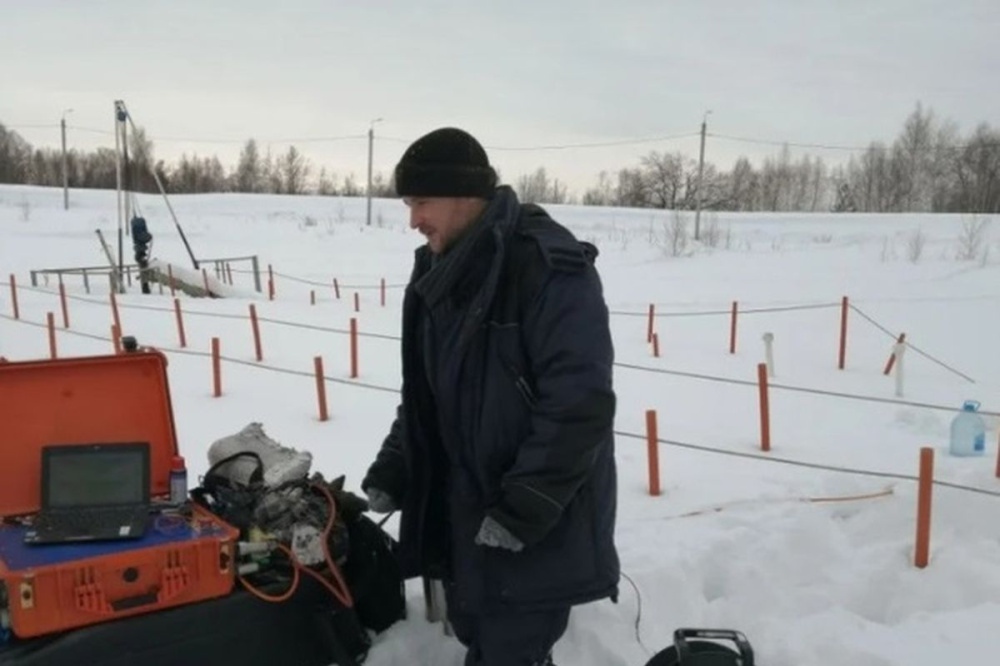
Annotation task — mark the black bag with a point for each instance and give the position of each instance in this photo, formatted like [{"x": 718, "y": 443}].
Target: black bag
[
  {"x": 704, "y": 651},
  {"x": 374, "y": 576}
]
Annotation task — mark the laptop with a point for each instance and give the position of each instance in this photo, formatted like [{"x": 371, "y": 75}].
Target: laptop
[{"x": 92, "y": 492}]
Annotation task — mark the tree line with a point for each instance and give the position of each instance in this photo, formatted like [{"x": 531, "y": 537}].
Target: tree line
[
  {"x": 929, "y": 167},
  {"x": 256, "y": 171}
]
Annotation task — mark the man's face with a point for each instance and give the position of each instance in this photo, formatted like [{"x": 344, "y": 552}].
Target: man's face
[{"x": 442, "y": 220}]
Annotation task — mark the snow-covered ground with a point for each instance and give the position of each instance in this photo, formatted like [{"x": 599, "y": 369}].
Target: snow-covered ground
[{"x": 732, "y": 541}]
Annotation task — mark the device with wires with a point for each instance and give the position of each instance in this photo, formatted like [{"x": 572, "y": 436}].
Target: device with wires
[{"x": 287, "y": 531}]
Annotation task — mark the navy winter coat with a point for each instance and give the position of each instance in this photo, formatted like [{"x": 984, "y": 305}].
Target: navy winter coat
[{"x": 507, "y": 411}]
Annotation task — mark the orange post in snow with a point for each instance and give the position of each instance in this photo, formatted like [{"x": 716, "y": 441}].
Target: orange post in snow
[
  {"x": 114, "y": 311},
  {"x": 312, "y": 297},
  {"x": 765, "y": 408},
  {"x": 656, "y": 345},
  {"x": 13, "y": 296},
  {"x": 924, "y": 497},
  {"x": 649, "y": 324},
  {"x": 732, "y": 328},
  {"x": 50, "y": 320},
  {"x": 180, "y": 323},
  {"x": 258, "y": 350},
  {"x": 653, "y": 452},
  {"x": 116, "y": 339},
  {"x": 844, "y": 305},
  {"x": 336, "y": 289},
  {"x": 62, "y": 301},
  {"x": 216, "y": 368},
  {"x": 321, "y": 388},
  {"x": 892, "y": 357},
  {"x": 382, "y": 287},
  {"x": 354, "y": 348}
]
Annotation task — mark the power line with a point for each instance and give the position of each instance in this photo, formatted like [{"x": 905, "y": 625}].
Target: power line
[
  {"x": 570, "y": 146},
  {"x": 791, "y": 144},
  {"x": 18, "y": 127},
  {"x": 599, "y": 144},
  {"x": 306, "y": 139},
  {"x": 549, "y": 147},
  {"x": 852, "y": 149}
]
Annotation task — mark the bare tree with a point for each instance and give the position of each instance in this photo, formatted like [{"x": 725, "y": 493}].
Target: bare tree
[
  {"x": 351, "y": 187},
  {"x": 325, "y": 187},
  {"x": 915, "y": 245},
  {"x": 601, "y": 195},
  {"x": 294, "y": 172},
  {"x": 664, "y": 178},
  {"x": 631, "y": 190},
  {"x": 972, "y": 238},
  {"x": 248, "y": 170},
  {"x": 676, "y": 234},
  {"x": 537, "y": 187},
  {"x": 916, "y": 154}
]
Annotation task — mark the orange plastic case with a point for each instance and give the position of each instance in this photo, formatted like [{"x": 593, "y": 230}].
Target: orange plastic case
[
  {"x": 101, "y": 399},
  {"x": 54, "y": 588},
  {"x": 87, "y": 400}
]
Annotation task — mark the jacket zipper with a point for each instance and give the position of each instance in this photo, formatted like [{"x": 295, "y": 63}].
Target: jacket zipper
[{"x": 521, "y": 384}]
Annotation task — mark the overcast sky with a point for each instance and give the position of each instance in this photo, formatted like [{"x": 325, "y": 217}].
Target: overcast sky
[{"x": 516, "y": 74}]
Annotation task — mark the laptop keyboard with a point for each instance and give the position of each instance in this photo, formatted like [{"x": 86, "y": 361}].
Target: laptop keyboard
[{"x": 89, "y": 521}]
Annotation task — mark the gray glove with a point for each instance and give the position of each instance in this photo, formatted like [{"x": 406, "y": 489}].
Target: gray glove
[
  {"x": 492, "y": 533},
  {"x": 380, "y": 501}
]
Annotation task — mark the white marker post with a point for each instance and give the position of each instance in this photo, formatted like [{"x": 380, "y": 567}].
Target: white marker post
[{"x": 769, "y": 353}]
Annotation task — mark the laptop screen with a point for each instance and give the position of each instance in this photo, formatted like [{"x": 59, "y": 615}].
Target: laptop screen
[{"x": 95, "y": 475}]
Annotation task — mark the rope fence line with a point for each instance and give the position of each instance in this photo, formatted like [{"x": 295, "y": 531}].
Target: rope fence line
[
  {"x": 727, "y": 312},
  {"x": 627, "y": 366},
  {"x": 317, "y": 283},
  {"x": 917, "y": 350},
  {"x": 228, "y": 359},
  {"x": 794, "y": 389},
  {"x": 621, "y": 433},
  {"x": 215, "y": 315},
  {"x": 807, "y": 465}
]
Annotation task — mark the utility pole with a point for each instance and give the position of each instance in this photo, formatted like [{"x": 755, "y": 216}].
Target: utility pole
[
  {"x": 701, "y": 174},
  {"x": 120, "y": 138},
  {"x": 65, "y": 167},
  {"x": 371, "y": 142}
]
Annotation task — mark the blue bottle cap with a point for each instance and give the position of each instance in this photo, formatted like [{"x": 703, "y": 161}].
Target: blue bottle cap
[{"x": 971, "y": 406}]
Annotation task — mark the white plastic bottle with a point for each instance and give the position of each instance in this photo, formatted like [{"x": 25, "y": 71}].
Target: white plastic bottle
[{"x": 968, "y": 432}]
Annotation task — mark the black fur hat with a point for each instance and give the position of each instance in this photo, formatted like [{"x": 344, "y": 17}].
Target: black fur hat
[{"x": 448, "y": 162}]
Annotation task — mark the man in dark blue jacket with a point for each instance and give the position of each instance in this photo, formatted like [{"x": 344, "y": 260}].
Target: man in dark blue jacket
[{"x": 501, "y": 457}]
